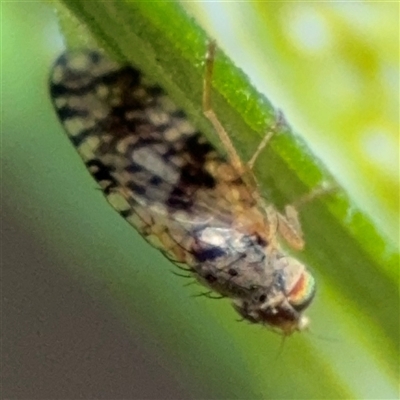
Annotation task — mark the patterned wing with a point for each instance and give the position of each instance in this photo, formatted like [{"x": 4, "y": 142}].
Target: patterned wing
[{"x": 154, "y": 168}]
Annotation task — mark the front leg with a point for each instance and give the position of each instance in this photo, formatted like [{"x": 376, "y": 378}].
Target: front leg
[
  {"x": 212, "y": 117},
  {"x": 286, "y": 225},
  {"x": 289, "y": 227}
]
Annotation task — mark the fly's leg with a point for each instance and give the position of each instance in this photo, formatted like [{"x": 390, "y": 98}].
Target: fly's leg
[
  {"x": 210, "y": 114},
  {"x": 319, "y": 191},
  {"x": 289, "y": 227},
  {"x": 272, "y": 130},
  {"x": 288, "y": 224},
  {"x": 223, "y": 135}
]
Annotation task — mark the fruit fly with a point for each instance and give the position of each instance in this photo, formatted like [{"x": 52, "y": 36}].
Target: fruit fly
[{"x": 201, "y": 209}]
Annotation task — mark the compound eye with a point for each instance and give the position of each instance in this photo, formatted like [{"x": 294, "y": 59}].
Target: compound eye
[{"x": 303, "y": 292}]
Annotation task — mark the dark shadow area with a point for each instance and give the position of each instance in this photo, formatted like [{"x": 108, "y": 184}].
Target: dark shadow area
[{"x": 58, "y": 342}]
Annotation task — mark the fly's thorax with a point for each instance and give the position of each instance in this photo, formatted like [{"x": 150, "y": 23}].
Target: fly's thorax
[
  {"x": 281, "y": 305},
  {"x": 230, "y": 262}
]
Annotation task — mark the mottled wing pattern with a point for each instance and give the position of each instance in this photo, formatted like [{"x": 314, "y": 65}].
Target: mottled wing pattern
[{"x": 153, "y": 166}]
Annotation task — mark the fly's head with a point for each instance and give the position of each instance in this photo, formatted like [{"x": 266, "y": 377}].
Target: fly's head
[{"x": 281, "y": 305}]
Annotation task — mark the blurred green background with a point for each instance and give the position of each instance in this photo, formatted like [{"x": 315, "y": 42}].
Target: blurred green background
[{"x": 333, "y": 69}]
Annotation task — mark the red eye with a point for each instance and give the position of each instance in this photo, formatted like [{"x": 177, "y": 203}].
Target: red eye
[{"x": 303, "y": 292}]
